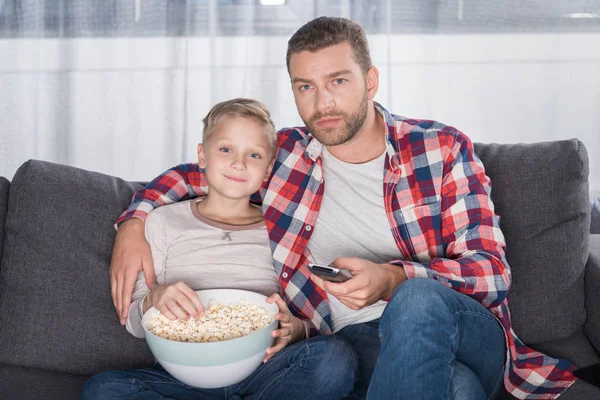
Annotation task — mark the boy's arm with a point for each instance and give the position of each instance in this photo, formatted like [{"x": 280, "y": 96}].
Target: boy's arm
[
  {"x": 155, "y": 234},
  {"x": 131, "y": 253}
]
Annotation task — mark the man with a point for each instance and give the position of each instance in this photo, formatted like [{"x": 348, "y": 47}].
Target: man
[{"x": 405, "y": 206}]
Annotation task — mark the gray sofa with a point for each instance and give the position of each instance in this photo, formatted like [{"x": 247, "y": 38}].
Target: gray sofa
[{"x": 58, "y": 325}]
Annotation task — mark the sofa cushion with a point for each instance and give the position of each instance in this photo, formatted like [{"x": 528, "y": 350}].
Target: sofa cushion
[
  {"x": 54, "y": 281},
  {"x": 595, "y": 224},
  {"x": 541, "y": 194},
  {"x": 4, "y": 186},
  {"x": 592, "y": 293},
  {"x": 34, "y": 383}
]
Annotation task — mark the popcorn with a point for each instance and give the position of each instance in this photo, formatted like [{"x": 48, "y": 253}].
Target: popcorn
[{"x": 219, "y": 322}]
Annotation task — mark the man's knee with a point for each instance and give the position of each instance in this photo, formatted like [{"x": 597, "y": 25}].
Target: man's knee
[{"x": 419, "y": 295}]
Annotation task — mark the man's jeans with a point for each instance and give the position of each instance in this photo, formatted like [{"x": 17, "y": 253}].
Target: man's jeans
[
  {"x": 324, "y": 367},
  {"x": 430, "y": 343}
]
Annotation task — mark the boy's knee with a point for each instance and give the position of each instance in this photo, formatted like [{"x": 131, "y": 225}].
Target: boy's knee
[
  {"x": 92, "y": 388},
  {"x": 337, "y": 359},
  {"x": 98, "y": 386}
]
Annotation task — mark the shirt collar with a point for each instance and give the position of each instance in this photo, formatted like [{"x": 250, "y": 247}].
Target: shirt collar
[{"x": 314, "y": 149}]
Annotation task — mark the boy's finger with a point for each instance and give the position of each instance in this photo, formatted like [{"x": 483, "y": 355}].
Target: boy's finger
[
  {"x": 281, "y": 332},
  {"x": 193, "y": 298},
  {"x": 283, "y": 317},
  {"x": 177, "y": 309},
  {"x": 271, "y": 351}
]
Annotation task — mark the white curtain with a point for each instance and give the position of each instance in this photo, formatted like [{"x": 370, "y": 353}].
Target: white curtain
[{"x": 121, "y": 86}]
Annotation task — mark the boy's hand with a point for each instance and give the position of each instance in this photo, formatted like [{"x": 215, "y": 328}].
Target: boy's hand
[
  {"x": 131, "y": 254},
  {"x": 290, "y": 329},
  {"x": 174, "y": 301}
]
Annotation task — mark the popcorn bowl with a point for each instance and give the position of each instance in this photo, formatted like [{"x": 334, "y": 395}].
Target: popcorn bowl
[{"x": 211, "y": 365}]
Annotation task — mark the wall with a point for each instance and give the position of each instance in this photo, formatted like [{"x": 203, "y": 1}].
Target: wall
[{"x": 120, "y": 106}]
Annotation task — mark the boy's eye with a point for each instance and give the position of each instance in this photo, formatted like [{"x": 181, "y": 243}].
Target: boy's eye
[
  {"x": 225, "y": 149},
  {"x": 255, "y": 155}
]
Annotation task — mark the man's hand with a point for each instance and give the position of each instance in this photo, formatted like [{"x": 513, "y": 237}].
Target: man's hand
[
  {"x": 290, "y": 329},
  {"x": 131, "y": 255},
  {"x": 174, "y": 301},
  {"x": 370, "y": 282}
]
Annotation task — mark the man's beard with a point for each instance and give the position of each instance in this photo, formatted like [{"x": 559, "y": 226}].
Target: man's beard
[{"x": 339, "y": 135}]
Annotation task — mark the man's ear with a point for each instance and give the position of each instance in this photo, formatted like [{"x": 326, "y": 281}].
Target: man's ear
[
  {"x": 269, "y": 170},
  {"x": 201, "y": 156},
  {"x": 372, "y": 82}
]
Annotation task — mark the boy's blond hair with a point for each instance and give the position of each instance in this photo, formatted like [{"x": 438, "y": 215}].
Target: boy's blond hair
[{"x": 240, "y": 107}]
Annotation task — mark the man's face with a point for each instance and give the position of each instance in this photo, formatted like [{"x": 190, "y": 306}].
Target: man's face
[{"x": 331, "y": 93}]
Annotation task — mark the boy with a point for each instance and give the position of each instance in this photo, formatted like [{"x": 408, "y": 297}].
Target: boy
[{"x": 221, "y": 241}]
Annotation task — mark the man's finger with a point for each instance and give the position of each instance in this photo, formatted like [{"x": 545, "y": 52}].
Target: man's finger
[
  {"x": 119, "y": 296},
  {"x": 128, "y": 285},
  {"x": 113, "y": 291},
  {"x": 352, "y": 264},
  {"x": 148, "y": 269},
  {"x": 345, "y": 288}
]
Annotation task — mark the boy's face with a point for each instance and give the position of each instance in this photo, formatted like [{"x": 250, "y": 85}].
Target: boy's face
[
  {"x": 331, "y": 92},
  {"x": 237, "y": 157}
]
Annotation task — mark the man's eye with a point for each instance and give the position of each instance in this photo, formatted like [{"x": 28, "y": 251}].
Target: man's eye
[
  {"x": 225, "y": 149},
  {"x": 304, "y": 88},
  {"x": 339, "y": 81}
]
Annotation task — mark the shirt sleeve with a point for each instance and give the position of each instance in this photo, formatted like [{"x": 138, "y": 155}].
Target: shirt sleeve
[
  {"x": 156, "y": 235},
  {"x": 185, "y": 181},
  {"x": 474, "y": 262}
]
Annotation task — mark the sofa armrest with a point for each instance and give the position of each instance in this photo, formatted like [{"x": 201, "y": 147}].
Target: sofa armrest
[{"x": 592, "y": 293}]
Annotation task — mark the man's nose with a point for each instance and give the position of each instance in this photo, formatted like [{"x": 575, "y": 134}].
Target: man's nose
[{"x": 325, "y": 100}]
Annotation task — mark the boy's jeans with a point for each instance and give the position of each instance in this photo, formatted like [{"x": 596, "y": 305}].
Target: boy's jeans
[
  {"x": 323, "y": 366},
  {"x": 430, "y": 343}
]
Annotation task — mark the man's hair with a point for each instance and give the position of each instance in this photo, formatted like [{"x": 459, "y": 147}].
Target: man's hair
[
  {"x": 244, "y": 108},
  {"x": 324, "y": 32}
]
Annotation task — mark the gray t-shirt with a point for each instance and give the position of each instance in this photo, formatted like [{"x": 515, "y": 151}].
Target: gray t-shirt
[
  {"x": 352, "y": 222},
  {"x": 204, "y": 254}
]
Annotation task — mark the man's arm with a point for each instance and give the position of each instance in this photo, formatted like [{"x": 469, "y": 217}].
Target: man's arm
[
  {"x": 155, "y": 235},
  {"x": 474, "y": 262},
  {"x": 131, "y": 253}
]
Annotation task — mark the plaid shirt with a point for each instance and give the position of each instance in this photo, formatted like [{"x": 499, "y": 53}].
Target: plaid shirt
[{"x": 437, "y": 199}]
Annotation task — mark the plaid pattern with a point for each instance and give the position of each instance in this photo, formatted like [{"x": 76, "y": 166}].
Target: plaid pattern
[{"x": 438, "y": 204}]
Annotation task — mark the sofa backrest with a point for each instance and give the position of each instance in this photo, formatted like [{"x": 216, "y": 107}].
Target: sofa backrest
[
  {"x": 541, "y": 193},
  {"x": 4, "y": 186},
  {"x": 56, "y": 309}
]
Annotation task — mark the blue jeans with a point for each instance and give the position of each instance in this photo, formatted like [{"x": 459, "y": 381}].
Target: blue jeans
[
  {"x": 323, "y": 367},
  {"x": 430, "y": 343}
]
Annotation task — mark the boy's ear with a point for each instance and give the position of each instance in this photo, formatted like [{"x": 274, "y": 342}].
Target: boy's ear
[
  {"x": 201, "y": 156},
  {"x": 269, "y": 170}
]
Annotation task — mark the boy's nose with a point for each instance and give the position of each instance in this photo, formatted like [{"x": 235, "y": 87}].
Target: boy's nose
[{"x": 238, "y": 164}]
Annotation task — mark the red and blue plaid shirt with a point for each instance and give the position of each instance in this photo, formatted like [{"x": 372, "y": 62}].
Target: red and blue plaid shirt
[{"x": 437, "y": 199}]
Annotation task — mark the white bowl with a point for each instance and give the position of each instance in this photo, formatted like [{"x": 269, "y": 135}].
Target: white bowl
[{"x": 214, "y": 364}]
